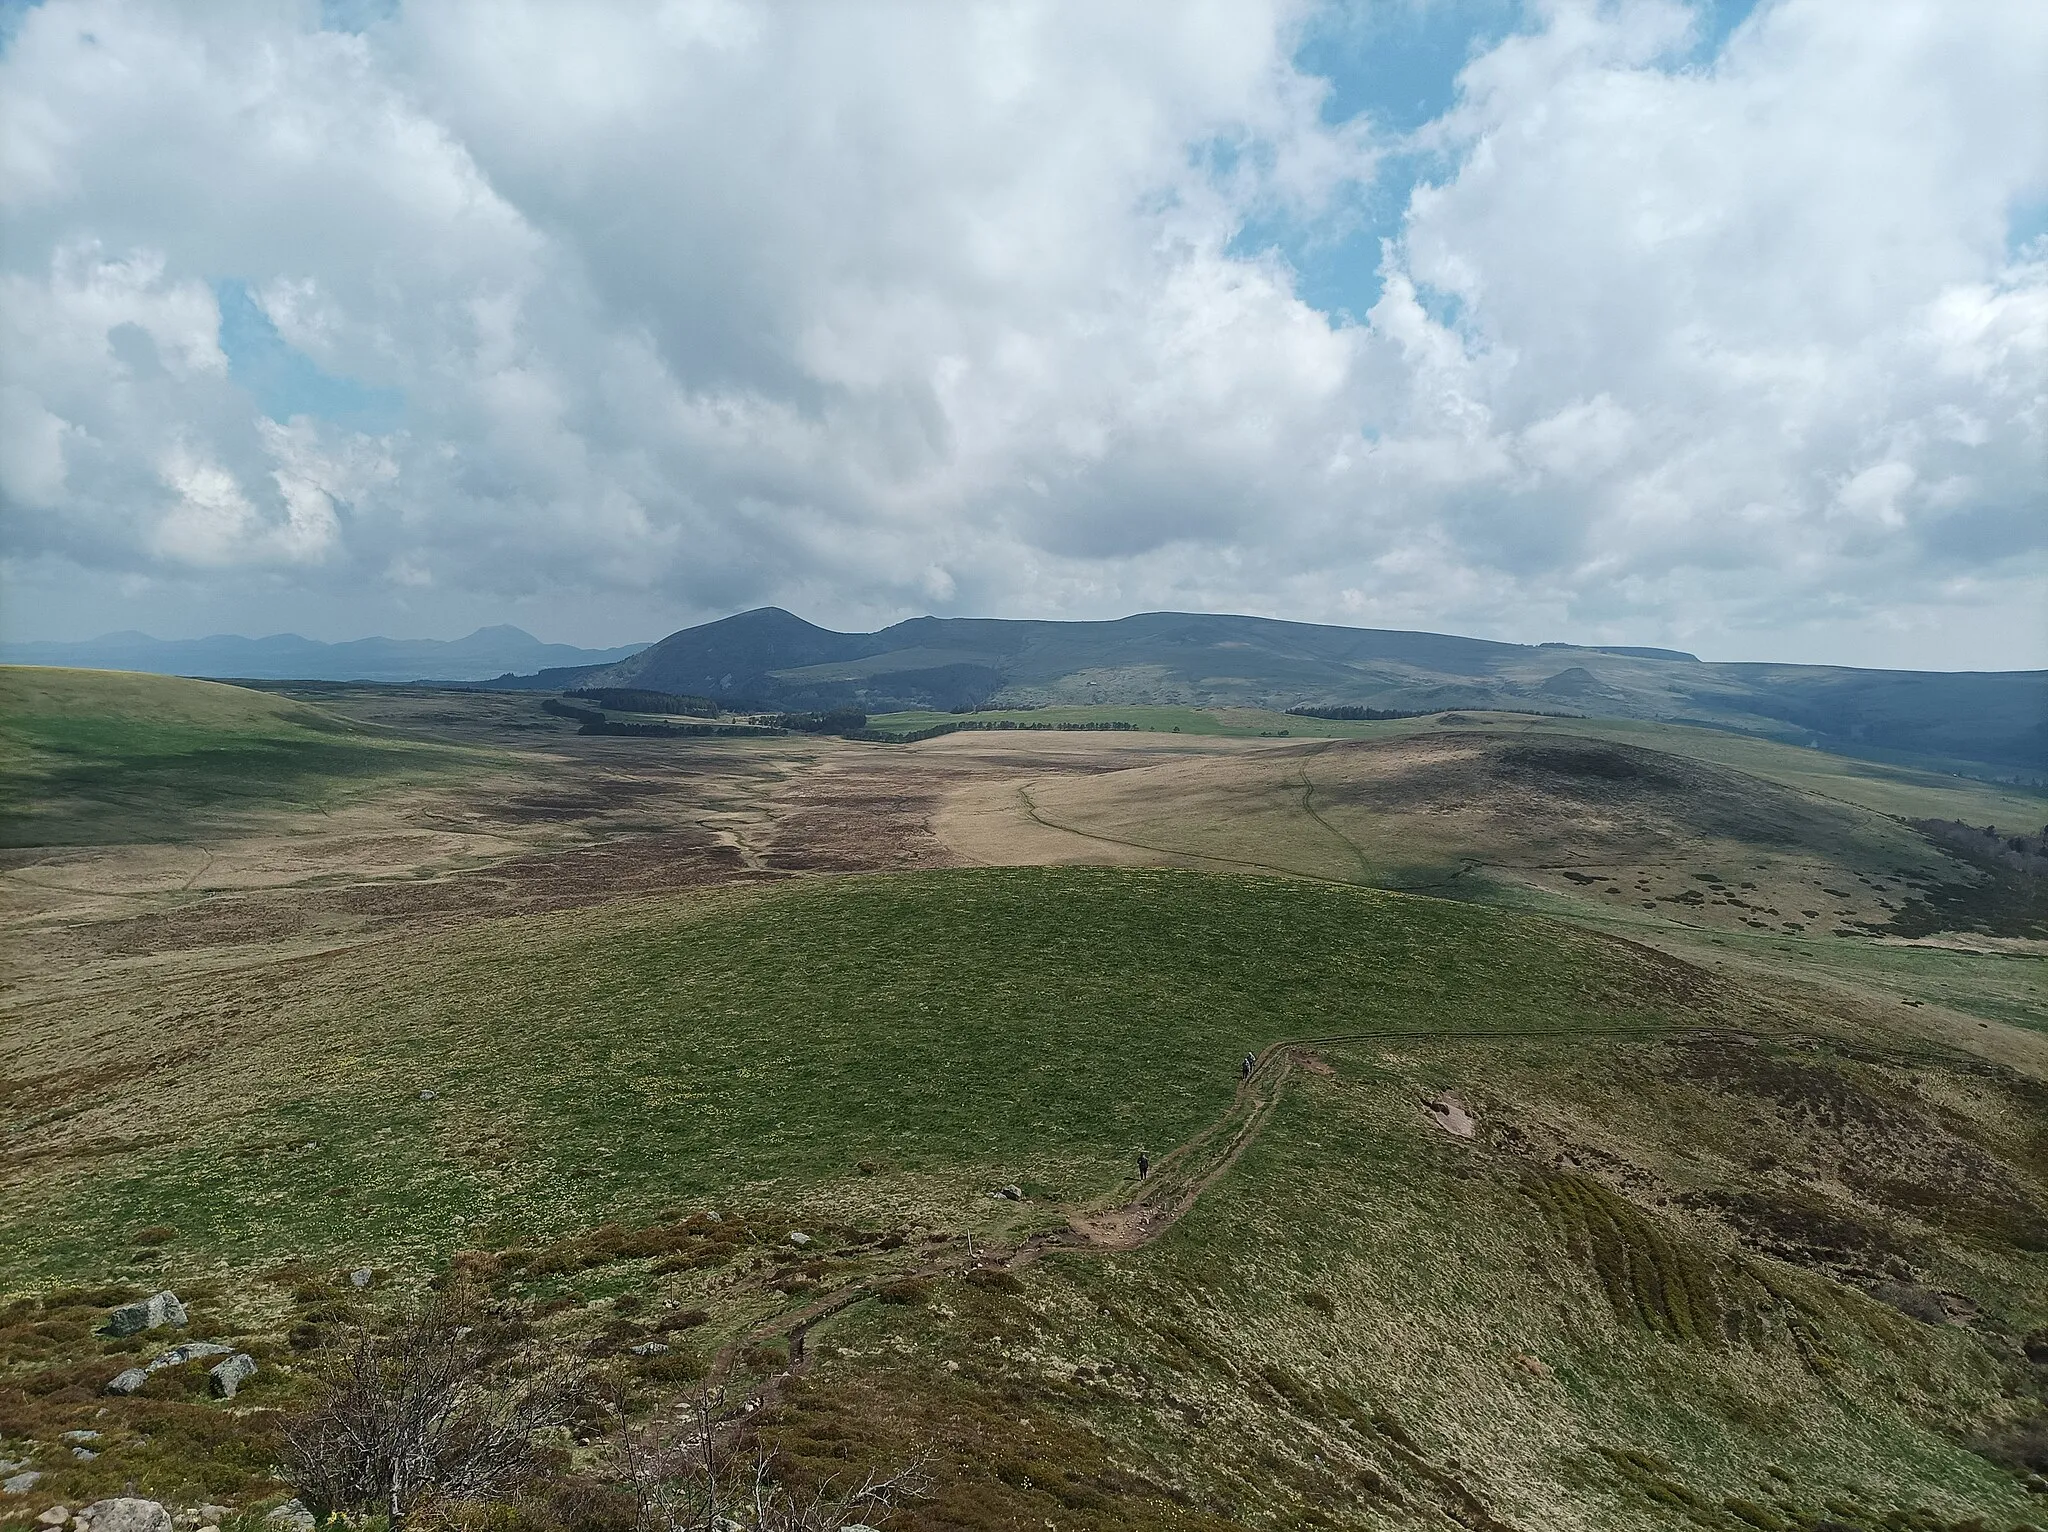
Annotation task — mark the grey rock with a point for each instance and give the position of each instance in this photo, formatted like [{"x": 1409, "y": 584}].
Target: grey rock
[
  {"x": 191, "y": 1351},
  {"x": 360, "y": 1277},
  {"x": 157, "y": 1309},
  {"x": 1011, "y": 1193},
  {"x": 84, "y": 1454},
  {"x": 128, "y": 1380},
  {"x": 20, "y": 1484},
  {"x": 798, "y": 1238},
  {"x": 648, "y": 1348},
  {"x": 126, "y": 1514},
  {"x": 212, "y": 1515},
  {"x": 292, "y": 1516},
  {"x": 226, "y": 1377},
  {"x": 81, "y": 1436},
  {"x": 55, "y": 1516}
]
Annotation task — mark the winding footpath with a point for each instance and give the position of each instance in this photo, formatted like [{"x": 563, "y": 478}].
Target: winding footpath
[{"x": 1165, "y": 1196}]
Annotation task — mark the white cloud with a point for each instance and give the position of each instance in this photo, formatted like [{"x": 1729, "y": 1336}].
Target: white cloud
[{"x": 869, "y": 308}]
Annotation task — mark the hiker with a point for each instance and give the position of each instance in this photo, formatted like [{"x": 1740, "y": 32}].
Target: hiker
[
  {"x": 1246, "y": 1073},
  {"x": 1144, "y": 1164}
]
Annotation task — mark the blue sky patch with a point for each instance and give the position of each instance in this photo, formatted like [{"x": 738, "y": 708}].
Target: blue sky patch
[
  {"x": 284, "y": 381},
  {"x": 1395, "y": 63}
]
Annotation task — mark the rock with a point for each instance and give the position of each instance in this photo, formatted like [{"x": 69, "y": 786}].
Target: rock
[
  {"x": 226, "y": 1377},
  {"x": 55, "y": 1516},
  {"x": 292, "y": 1516},
  {"x": 1533, "y": 1367},
  {"x": 1011, "y": 1193},
  {"x": 191, "y": 1351},
  {"x": 798, "y": 1238},
  {"x": 648, "y": 1348},
  {"x": 1452, "y": 1115},
  {"x": 157, "y": 1309},
  {"x": 127, "y": 1514},
  {"x": 81, "y": 1436},
  {"x": 20, "y": 1484},
  {"x": 84, "y": 1454},
  {"x": 212, "y": 1515},
  {"x": 360, "y": 1277}
]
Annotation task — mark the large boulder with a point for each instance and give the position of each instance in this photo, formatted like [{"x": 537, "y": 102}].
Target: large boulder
[
  {"x": 230, "y": 1375},
  {"x": 157, "y": 1309},
  {"x": 126, "y": 1514}
]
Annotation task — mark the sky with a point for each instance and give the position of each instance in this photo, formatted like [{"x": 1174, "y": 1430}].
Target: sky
[{"x": 1721, "y": 326}]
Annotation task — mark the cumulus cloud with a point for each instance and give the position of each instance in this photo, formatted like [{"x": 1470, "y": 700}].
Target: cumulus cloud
[{"x": 881, "y": 309}]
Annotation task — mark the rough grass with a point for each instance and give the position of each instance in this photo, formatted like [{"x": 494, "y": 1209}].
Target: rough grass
[
  {"x": 1588, "y": 1356},
  {"x": 92, "y": 757},
  {"x": 955, "y": 1031}
]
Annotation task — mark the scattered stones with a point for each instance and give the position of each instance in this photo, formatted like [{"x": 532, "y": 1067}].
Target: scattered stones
[
  {"x": 126, "y": 1513},
  {"x": 226, "y": 1377},
  {"x": 1012, "y": 1193},
  {"x": 648, "y": 1348},
  {"x": 157, "y": 1309},
  {"x": 798, "y": 1238},
  {"x": 292, "y": 1516},
  {"x": 360, "y": 1277},
  {"x": 130, "y": 1379},
  {"x": 20, "y": 1484}
]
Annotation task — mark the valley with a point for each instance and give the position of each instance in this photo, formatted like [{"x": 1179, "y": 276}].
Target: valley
[{"x": 1737, "y": 1222}]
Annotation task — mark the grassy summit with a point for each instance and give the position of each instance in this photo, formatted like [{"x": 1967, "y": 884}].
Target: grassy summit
[
  {"x": 957, "y": 1031},
  {"x": 90, "y": 757}
]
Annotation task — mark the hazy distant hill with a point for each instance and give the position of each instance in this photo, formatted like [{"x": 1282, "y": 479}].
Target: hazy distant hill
[
  {"x": 285, "y": 656},
  {"x": 1997, "y": 719}
]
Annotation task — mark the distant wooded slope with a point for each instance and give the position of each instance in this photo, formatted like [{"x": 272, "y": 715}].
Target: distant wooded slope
[{"x": 1996, "y": 720}]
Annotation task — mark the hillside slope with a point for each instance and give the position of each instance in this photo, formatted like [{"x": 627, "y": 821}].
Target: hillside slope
[{"x": 769, "y": 656}]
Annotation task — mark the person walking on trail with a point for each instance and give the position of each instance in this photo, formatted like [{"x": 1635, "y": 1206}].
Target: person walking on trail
[
  {"x": 1246, "y": 1072},
  {"x": 1144, "y": 1164}
]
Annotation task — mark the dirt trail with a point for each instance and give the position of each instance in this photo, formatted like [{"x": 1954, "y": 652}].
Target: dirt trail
[{"x": 1175, "y": 1184}]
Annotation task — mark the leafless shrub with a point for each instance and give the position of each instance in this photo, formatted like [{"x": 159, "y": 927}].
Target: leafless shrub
[
  {"x": 415, "y": 1416},
  {"x": 695, "y": 1477}
]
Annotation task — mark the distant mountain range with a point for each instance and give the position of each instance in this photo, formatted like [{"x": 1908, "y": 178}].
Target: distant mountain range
[
  {"x": 483, "y": 654},
  {"x": 770, "y": 657}
]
